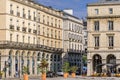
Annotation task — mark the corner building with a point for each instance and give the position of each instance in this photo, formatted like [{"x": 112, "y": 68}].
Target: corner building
[
  {"x": 103, "y": 37},
  {"x": 73, "y": 40},
  {"x": 29, "y": 32}
]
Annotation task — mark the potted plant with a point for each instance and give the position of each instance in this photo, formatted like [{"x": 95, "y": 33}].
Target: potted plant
[
  {"x": 25, "y": 71},
  {"x": 1, "y": 73},
  {"x": 43, "y": 67},
  {"x": 73, "y": 70},
  {"x": 65, "y": 69}
]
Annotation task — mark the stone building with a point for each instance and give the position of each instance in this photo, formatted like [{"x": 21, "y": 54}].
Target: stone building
[
  {"x": 72, "y": 38},
  {"x": 28, "y": 33},
  {"x": 103, "y": 36}
]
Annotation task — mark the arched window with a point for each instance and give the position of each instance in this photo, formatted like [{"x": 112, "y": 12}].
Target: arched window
[
  {"x": 16, "y": 62},
  {"x": 28, "y": 61},
  {"x": 9, "y": 63},
  {"x": 33, "y": 63},
  {"x": 22, "y": 62}
]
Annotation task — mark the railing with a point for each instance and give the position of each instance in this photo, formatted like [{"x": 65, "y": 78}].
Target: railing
[
  {"x": 74, "y": 50},
  {"x": 28, "y": 46}
]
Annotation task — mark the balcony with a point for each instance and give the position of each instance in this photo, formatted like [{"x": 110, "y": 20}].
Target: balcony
[
  {"x": 11, "y": 27},
  {"x": 74, "y": 50},
  {"x": 96, "y": 47},
  {"x": 110, "y": 47},
  {"x": 28, "y": 46}
]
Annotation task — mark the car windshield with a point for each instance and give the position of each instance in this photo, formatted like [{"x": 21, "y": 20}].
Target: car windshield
[{"x": 59, "y": 70}]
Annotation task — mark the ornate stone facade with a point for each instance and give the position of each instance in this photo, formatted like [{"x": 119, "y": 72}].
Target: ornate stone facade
[{"x": 103, "y": 37}]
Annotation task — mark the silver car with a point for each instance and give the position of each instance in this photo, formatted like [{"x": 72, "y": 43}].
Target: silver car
[{"x": 60, "y": 73}]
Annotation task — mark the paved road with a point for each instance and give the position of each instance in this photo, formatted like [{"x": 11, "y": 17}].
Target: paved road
[{"x": 82, "y": 78}]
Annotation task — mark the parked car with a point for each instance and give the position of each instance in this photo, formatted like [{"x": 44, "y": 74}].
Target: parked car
[
  {"x": 60, "y": 73},
  {"x": 51, "y": 74}
]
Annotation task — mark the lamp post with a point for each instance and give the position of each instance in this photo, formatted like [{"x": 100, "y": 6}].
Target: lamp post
[
  {"x": 19, "y": 65},
  {"x": 81, "y": 61}
]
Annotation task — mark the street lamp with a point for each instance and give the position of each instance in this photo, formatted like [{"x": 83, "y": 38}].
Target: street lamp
[{"x": 81, "y": 52}]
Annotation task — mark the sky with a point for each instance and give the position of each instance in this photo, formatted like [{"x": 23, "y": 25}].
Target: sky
[{"x": 78, "y": 6}]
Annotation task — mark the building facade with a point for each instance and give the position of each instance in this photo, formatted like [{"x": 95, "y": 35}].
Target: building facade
[
  {"x": 103, "y": 37},
  {"x": 85, "y": 33},
  {"x": 72, "y": 39},
  {"x": 29, "y": 32}
]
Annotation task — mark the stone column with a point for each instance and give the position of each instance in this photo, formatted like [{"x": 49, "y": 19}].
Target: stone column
[
  {"x": 19, "y": 66},
  {"x": 118, "y": 62},
  {"x": 13, "y": 66},
  {"x": 30, "y": 65},
  {"x": 3, "y": 60},
  {"x": 35, "y": 67},
  {"x": 89, "y": 67},
  {"x": 104, "y": 67}
]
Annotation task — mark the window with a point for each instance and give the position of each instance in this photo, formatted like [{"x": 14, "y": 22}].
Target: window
[
  {"x": 38, "y": 17},
  {"x": 38, "y": 29},
  {"x": 43, "y": 41},
  {"x": 18, "y": 13},
  {"x": 59, "y": 23},
  {"x": 29, "y": 39},
  {"x": 55, "y": 44},
  {"x": 55, "y": 33},
  {"x": 110, "y": 11},
  {"x": 51, "y": 43},
  {"x": 43, "y": 31},
  {"x": 43, "y": 18},
  {"x": 51, "y": 33},
  {"x": 110, "y": 25},
  {"x": 11, "y": 11},
  {"x": 48, "y": 20},
  {"x": 23, "y": 38},
  {"x": 34, "y": 16},
  {"x": 24, "y": 13},
  {"x": 47, "y": 42},
  {"x": 111, "y": 41},
  {"x": 38, "y": 42},
  {"x": 10, "y": 37},
  {"x": 51, "y": 21},
  {"x": 17, "y": 38},
  {"x": 96, "y": 41},
  {"x": 55, "y": 22},
  {"x": 96, "y": 25},
  {"x": 59, "y": 34},
  {"x": 33, "y": 40},
  {"x": 96, "y": 11},
  {"x": 47, "y": 32},
  {"x": 29, "y": 17}
]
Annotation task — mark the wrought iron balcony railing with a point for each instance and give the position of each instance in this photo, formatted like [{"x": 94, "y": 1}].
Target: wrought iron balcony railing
[
  {"x": 28, "y": 46},
  {"x": 74, "y": 50}
]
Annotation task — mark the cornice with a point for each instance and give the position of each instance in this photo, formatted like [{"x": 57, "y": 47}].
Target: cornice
[
  {"x": 37, "y": 6},
  {"x": 103, "y": 17}
]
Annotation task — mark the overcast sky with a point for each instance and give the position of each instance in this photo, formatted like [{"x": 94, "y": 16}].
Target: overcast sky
[{"x": 78, "y": 6}]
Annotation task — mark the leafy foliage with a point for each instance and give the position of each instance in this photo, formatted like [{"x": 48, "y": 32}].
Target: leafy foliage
[
  {"x": 66, "y": 67},
  {"x": 25, "y": 70},
  {"x": 73, "y": 69},
  {"x": 43, "y": 65}
]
